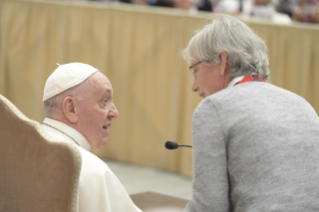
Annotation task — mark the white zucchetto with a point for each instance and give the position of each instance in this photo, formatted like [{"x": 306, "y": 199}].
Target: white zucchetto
[{"x": 66, "y": 76}]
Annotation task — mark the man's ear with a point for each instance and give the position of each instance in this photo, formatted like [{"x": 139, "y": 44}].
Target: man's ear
[
  {"x": 70, "y": 109},
  {"x": 223, "y": 63}
]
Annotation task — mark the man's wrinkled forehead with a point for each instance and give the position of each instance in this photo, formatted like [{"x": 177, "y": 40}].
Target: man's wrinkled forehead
[
  {"x": 100, "y": 83},
  {"x": 108, "y": 92}
]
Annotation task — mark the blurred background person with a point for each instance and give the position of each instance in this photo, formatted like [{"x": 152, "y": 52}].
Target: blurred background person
[
  {"x": 226, "y": 6},
  {"x": 263, "y": 9},
  {"x": 306, "y": 11},
  {"x": 185, "y": 5},
  {"x": 192, "y": 5},
  {"x": 286, "y": 6}
]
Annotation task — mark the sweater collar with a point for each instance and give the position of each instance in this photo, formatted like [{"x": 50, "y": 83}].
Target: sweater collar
[{"x": 234, "y": 81}]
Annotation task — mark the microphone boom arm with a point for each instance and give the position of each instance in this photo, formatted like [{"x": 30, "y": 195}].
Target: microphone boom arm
[{"x": 185, "y": 145}]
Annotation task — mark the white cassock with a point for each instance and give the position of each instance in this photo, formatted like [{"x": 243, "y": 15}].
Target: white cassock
[{"x": 99, "y": 188}]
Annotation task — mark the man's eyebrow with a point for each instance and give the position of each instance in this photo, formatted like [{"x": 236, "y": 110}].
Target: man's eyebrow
[{"x": 108, "y": 91}]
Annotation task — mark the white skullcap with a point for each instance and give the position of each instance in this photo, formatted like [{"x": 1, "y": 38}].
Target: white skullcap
[{"x": 66, "y": 76}]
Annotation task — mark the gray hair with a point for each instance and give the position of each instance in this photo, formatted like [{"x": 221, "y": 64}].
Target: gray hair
[
  {"x": 53, "y": 106},
  {"x": 246, "y": 51}
]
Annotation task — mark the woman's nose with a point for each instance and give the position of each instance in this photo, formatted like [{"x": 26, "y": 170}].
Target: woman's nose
[{"x": 194, "y": 87}]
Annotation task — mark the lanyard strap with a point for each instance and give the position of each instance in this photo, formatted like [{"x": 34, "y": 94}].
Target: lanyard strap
[{"x": 251, "y": 78}]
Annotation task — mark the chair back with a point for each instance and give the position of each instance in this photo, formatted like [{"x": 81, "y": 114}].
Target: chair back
[{"x": 37, "y": 174}]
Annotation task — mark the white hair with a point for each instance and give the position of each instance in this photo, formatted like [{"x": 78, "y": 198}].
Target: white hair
[
  {"x": 246, "y": 51},
  {"x": 53, "y": 105}
]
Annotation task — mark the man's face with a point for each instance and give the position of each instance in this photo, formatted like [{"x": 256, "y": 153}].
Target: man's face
[
  {"x": 207, "y": 79},
  {"x": 96, "y": 110}
]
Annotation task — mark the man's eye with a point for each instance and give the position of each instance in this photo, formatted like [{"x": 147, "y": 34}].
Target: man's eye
[{"x": 105, "y": 100}]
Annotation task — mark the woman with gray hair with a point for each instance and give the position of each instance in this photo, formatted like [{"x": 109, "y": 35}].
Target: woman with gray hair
[
  {"x": 246, "y": 52},
  {"x": 254, "y": 144}
]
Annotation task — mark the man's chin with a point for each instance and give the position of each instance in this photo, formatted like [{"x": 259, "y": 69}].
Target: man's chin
[{"x": 102, "y": 144}]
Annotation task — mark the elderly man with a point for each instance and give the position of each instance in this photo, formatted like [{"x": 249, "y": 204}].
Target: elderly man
[
  {"x": 255, "y": 145},
  {"x": 79, "y": 109}
]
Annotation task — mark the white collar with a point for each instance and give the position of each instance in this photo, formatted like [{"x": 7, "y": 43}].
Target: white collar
[
  {"x": 235, "y": 80},
  {"x": 80, "y": 139}
]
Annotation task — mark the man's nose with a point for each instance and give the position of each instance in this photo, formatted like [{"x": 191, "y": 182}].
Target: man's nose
[
  {"x": 194, "y": 87},
  {"x": 113, "y": 112}
]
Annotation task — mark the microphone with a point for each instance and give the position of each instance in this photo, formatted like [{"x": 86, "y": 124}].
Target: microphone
[{"x": 174, "y": 145}]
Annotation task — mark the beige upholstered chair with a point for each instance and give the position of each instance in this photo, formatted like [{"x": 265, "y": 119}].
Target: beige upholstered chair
[{"x": 37, "y": 174}]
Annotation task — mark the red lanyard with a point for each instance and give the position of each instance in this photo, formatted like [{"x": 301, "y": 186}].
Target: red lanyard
[{"x": 251, "y": 78}]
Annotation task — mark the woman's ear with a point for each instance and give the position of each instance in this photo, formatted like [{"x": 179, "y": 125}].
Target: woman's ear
[
  {"x": 223, "y": 63},
  {"x": 70, "y": 109}
]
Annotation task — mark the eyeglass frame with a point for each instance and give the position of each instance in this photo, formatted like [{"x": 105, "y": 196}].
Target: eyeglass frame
[{"x": 191, "y": 69}]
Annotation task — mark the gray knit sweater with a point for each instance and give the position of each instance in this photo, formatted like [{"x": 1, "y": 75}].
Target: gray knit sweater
[{"x": 256, "y": 149}]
